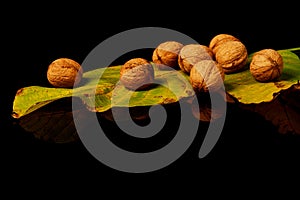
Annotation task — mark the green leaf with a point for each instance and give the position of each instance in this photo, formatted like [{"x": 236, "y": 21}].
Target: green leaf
[
  {"x": 100, "y": 90},
  {"x": 170, "y": 87},
  {"x": 247, "y": 90},
  {"x": 31, "y": 98}
]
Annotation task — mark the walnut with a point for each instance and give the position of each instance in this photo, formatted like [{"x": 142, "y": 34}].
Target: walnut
[
  {"x": 266, "y": 65},
  {"x": 208, "y": 50},
  {"x": 165, "y": 55},
  {"x": 190, "y": 54},
  {"x": 64, "y": 72},
  {"x": 220, "y": 39},
  {"x": 232, "y": 56},
  {"x": 137, "y": 74},
  {"x": 207, "y": 75}
]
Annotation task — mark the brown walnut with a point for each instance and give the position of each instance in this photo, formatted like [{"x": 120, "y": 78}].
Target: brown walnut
[
  {"x": 165, "y": 55},
  {"x": 137, "y": 74},
  {"x": 266, "y": 65},
  {"x": 208, "y": 50},
  {"x": 207, "y": 75},
  {"x": 190, "y": 54},
  {"x": 64, "y": 72},
  {"x": 232, "y": 56},
  {"x": 219, "y": 39}
]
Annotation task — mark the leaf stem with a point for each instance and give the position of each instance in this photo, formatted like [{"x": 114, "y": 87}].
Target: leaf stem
[{"x": 293, "y": 49}]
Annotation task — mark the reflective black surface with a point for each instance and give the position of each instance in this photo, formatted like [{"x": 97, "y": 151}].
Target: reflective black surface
[{"x": 248, "y": 145}]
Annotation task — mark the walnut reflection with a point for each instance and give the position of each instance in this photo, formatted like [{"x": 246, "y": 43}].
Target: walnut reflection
[{"x": 202, "y": 109}]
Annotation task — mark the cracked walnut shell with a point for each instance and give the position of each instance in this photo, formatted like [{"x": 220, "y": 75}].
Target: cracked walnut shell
[
  {"x": 64, "y": 72},
  {"x": 165, "y": 55},
  {"x": 137, "y": 74},
  {"x": 266, "y": 65}
]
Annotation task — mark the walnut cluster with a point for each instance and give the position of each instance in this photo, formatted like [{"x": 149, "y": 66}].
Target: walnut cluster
[
  {"x": 168, "y": 55},
  {"x": 196, "y": 60},
  {"x": 206, "y": 65},
  {"x": 266, "y": 64}
]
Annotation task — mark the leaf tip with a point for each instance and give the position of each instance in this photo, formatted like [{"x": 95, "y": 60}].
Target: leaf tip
[
  {"x": 15, "y": 115},
  {"x": 19, "y": 92}
]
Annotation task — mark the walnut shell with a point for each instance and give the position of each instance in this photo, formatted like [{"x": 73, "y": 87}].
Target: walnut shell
[
  {"x": 190, "y": 54},
  {"x": 219, "y": 39},
  {"x": 232, "y": 56},
  {"x": 64, "y": 72},
  {"x": 266, "y": 65},
  {"x": 207, "y": 75},
  {"x": 165, "y": 55},
  {"x": 137, "y": 74},
  {"x": 208, "y": 50}
]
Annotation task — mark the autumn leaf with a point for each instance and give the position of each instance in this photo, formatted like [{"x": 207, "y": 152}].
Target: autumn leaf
[
  {"x": 99, "y": 88},
  {"x": 283, "y": 111},
  {"x": 247, "y": 90}
]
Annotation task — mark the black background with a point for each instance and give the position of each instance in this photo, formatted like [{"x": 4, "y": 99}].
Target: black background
[{"x": 249, "y": 149}]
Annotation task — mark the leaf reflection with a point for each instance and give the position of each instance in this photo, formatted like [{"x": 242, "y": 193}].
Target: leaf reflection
[{"x": 54, "y": 122}]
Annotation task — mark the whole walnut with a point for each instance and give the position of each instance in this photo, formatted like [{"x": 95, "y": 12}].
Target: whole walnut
[
  {"x": 165, "y": 55},
  {"x": 207, "y": 75},
  {"x": 64, "y": 72},
  {"x": 219, "y": 39},
  {"x": 266, "y": 65},
  {"x": 190, "y": 54},
  {"x": 137, "y": 74},
  {"x": 232, "y": 56}
]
